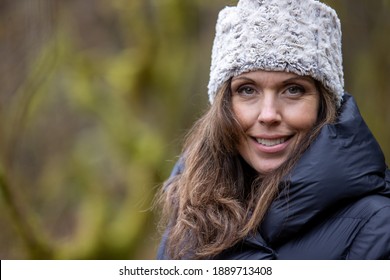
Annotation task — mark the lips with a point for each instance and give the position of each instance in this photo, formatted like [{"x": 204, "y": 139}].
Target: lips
[{"x": 271, "y": 144}]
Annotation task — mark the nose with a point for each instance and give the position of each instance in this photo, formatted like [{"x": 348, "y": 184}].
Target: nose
[{"x": 269, "y": 111}]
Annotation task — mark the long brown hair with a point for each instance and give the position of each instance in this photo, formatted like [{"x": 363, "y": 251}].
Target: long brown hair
[{"x": 218, "y": 199}]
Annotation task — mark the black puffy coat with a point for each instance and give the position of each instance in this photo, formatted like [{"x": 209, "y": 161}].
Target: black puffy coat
[{"x": 337, "y": 205}]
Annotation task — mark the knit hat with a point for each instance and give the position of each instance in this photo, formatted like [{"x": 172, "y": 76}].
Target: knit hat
[{"x": 299, "y": 36}]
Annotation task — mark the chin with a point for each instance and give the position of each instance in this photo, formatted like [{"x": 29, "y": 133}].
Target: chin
[{"x": 266, "y": 169}]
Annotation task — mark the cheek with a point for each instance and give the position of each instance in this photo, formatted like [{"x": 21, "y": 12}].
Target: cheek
[
  {"x": 245, "y": 115},
  {"x": 303, "y": 119}
]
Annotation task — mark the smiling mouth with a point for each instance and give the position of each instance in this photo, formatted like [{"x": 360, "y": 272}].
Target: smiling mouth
[{"x": 271, "y": 142}]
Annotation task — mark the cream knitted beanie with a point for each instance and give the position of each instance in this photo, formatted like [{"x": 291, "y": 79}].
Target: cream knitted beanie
[{"x": 299, "y": 36}]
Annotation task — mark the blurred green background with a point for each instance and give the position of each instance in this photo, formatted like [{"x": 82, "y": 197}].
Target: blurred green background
[{"x": 95, "y": 97}]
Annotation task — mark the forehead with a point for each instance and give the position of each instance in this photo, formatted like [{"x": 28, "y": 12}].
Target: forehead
[{"x": 267, "y": 75}]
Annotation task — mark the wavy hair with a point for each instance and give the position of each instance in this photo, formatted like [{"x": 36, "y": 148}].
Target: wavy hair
[{"x": 219, "y": 199}]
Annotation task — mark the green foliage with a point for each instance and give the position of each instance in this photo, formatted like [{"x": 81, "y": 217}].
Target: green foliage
[{"x": 95, "y": 98}]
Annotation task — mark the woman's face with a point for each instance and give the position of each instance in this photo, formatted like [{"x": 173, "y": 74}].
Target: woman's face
[{"x": 276, "y": 110}]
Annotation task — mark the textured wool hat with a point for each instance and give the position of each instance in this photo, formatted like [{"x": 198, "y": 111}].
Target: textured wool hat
[{"x": 299, "y": 36}]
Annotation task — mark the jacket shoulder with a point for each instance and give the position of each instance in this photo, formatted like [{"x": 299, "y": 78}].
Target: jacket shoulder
[{"x": 373, "y": 239}]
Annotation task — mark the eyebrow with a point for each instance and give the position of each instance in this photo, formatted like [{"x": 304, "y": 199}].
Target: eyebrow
[
  {"x": 242, "y": 78},
  {"x": 293, "y": 79}
]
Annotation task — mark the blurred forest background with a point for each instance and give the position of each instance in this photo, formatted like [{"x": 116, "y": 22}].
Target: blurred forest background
[{"x": 95, "y": 97}]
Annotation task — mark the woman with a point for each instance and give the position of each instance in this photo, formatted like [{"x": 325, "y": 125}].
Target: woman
[{"x": 281, "y": 166}]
